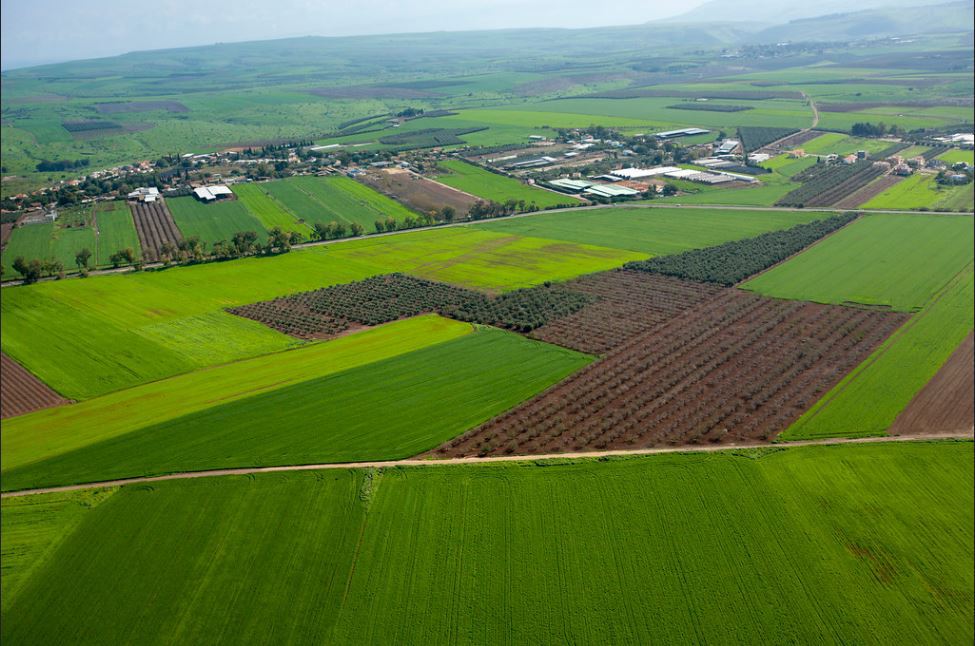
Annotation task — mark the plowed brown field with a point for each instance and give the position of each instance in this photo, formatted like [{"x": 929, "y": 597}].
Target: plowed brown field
[
  {"x": 735, "y": 367},
  {"x": 155, "y": 225},
  {"x": 21, "y": 392},
  {"x": 947, "y": 402}
]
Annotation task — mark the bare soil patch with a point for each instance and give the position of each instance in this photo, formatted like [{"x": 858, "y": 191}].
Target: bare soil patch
[
  {"x": 735, "y": 367},
  {"x": 417, "y": 192},
  {"x": 21, "y": 392},
  {"x": 947, "y": 402}
]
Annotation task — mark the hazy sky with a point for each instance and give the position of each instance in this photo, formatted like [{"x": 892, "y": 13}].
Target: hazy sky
[{"x": 41, "y": 31}]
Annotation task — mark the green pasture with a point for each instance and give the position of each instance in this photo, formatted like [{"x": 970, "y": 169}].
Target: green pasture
[
  {"x": 907, "y": 117},
  {"x": 48, "y": 433},
  {"x": 498, "y": 188},
  {"x": 896, "y": 261},
  {"x": 869, "y": 399},
  {"x": 656, "y": 231},
  {"x": 834, "y": 143},
  {"x": 867, "y": 543},
  {"x": 144, "y": 326},
  {"x": 956, "y": 155},
  {"x": 921, "y": 191},
  {"x": 215, "y": 221},
  {"x": 389, "y": 409},
  {"x": 268, "y": 210},
  {"x": 116, "y": 231},
  {"x": 47, "y": 241},
  {"x": 335, "y": 199}
]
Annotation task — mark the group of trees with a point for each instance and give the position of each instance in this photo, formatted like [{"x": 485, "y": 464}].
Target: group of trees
[
  {"x": 481, "y": 210},
  {"x": 48, "y": 166},
  {"x": 865, "y": 129}
]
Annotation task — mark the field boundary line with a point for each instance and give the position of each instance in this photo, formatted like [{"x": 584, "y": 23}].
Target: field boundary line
[
  {"x": 855, "y": 374},
  {"x": 414, "y": 462}
]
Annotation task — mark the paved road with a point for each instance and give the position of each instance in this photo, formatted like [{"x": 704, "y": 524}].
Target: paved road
[
  {"x": 621, "y": 205},
  {"x": 413, "y": 462}
]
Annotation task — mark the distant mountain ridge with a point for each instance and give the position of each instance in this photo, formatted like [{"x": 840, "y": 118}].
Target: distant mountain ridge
[{"x": 775, "y": 12}]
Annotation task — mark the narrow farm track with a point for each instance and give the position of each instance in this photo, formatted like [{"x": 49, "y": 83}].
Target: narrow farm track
[{"x": 413, "y": 462}]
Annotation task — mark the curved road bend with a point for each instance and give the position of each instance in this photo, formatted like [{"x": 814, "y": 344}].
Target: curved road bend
[{"x": 433, "y": 462}]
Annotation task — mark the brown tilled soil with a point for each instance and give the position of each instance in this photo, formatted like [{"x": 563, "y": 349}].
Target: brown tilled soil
[
  {"x": 865, "y": 193},
  {"x": 21, "y": 392},
  {"x": 629, "y": 303},
  {"x": 735, "y": 367},
  {"x": 796, "y": 140},
  {"x": 155, "y": 225},
  {"x": 417, "y": 192},
  {"x": 5, "y": 230},
  {"x": 947, "y": 402}
]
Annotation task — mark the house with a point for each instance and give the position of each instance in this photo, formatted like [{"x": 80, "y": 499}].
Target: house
[{"x": 903, "y": 170}]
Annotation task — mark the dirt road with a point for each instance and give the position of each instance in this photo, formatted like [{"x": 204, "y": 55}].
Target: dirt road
[{"x": 412, "y": 462}]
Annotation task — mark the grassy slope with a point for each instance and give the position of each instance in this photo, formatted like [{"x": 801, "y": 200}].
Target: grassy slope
[
  {"x": 51, "y": 432},
  {"x": 338, "y": 199},
  {"x": 919, "y": 191},
  {"x": 269, "y": 211},
  {"x": 490, "y": 186},
  {"x": 212, "y": 222},
  {"x": 389, "y": 409},
  {"x": 869, "y": 399},
  {"x": 895, "y": 260},
  {"x": 116, "y": 231},
  {"x": 855, "y": 544},
  {"x": 150, "y": 325},
  {"x": 657, "y": 231}
]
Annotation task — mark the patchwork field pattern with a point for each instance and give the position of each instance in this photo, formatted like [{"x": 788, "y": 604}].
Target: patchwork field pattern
[
  {"x": 945, "y": 404},
  {"x": 735, "y": 367},
  {"x": 498, "y": 188},
  {"x": 335, "y": 199},
  {"x": 417, "y": 192},
  {"x": 561, "y": 553},
  {"x": 215, "y": 221},
  {"x": 339, "y": 417}
]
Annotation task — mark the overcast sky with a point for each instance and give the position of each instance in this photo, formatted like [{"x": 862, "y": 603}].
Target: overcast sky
[{"x": 42, "y": 31}]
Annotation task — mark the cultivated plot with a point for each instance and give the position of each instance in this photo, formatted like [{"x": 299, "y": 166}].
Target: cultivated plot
[
  {"x": 580, "y": 551},
  {"x": 895, "y": 261},
  {"x": 498, "y": 188}
]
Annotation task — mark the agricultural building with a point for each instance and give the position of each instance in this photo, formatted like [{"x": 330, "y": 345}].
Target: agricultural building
[
  {"x": 532, "y": 163},
  {"x": 636, "y": 173},
  {"x": 607, "y": 190},
  {"x": 150, "y": 194},
  {"x": 728, "y": 147},
  {"x": 684, "y": 132},
  {"x": 571, "y": 185},
  {"x": 212, "y": 193}
]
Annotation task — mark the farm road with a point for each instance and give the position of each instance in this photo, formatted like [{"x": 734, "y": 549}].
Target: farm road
[
  {"x": 622, "y": 205},
  {"x": 412, "y": 462}
]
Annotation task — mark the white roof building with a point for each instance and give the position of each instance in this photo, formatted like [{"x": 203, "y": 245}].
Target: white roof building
[
  {"x": 637, "y": 173},
  {"x": 149, "y": 194},
  {"x": 608, "y": 190},
  {"x": 211, "y": 193}
]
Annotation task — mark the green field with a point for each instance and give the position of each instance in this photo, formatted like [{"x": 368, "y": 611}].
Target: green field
[
  {"x": 335, "y": 199},
  {"x": 869, "y": 399},
  {"x": 919, "y": 191},
  {"x": 269, "y": 211},
  {"x": 497, "y": 188},
  {"x": 47, "y": 241},
  {"x": 851, "y": 544},
  {"x": 840, "y": 144},
  {"x": 956, "y": 155},
  {"x": 215, "y": 221},
  {"x": 388, "y": 409},
  {"x": 654, "y": 231},
  {"x": 116, "y": 231},
  {"x": 149, "y": 325},
  {"x": 897, "y": 261}
]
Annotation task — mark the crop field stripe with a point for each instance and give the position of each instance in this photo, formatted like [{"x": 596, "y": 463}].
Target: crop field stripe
[
  {"x": 335, "y": 198},
  {"x": 339, "y": 417},
  {"x": 867, "y": 401},
  {"x": 269, "y": 211},
  {"x": 116, "y": 231},
  {"x": 128, "y": 410},
  {"x": 897, "y": 261},
  {"x": 219, "y": 220},
  {"x": 540, "y": 553}
]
